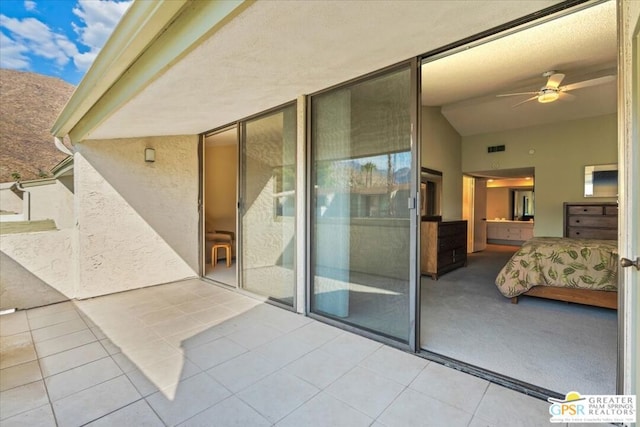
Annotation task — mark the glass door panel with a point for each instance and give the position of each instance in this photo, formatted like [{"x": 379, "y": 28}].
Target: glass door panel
[
  {"x": 361, "y": 179},
  {"x": 267, "y": 205}
]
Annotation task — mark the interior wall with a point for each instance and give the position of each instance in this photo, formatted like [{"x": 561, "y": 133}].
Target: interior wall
[
  {"x": 558, "y": 152},
  {"x": 442, "y": 151},
  {"x": 220, "y": 175},
  {"x": 498, "y": 203},
  {"x": 137, "y": 221}
]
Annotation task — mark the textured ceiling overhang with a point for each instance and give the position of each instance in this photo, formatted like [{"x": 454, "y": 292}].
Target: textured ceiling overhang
[{"x": 272, "y": 52}]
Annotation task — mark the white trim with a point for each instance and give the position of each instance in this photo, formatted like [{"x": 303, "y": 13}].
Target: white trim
[
  {"x": 629, "y": 165},
  {"x": 301, "y": 207}
]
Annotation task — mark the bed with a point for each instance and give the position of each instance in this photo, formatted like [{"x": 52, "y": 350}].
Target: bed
[{"x": 583, "y": 271}]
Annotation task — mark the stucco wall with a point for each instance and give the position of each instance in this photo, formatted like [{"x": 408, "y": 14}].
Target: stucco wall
[
  {"x": 9, "y": 201},
  {"x": 561, "y": 151},
  {"x": 52, "y": 200},
  {"x": 137, "y": 221},
  {"x": 36, "y": 269},
  {"x": 441, "y": 150}
]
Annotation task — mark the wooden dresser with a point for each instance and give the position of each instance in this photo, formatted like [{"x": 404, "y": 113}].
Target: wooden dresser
[
  {"x": 443, "y": 246},
  {"x": 591, "y": 220}
]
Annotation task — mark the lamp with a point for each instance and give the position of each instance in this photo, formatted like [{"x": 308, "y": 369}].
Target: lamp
[
  {"x": 548, "y": 95},
  {"x": 149, "y": 155}
]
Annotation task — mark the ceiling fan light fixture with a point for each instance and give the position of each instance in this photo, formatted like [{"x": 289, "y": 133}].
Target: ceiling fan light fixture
[{"x": 548, "y": 96}]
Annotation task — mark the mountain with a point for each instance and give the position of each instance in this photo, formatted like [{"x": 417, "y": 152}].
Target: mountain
[{"x": 29, "y": 104}]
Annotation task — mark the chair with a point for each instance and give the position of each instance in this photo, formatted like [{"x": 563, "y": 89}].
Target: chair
[
  {"x": 221, "y": 239},
  {"x": 214, "y": 253}
]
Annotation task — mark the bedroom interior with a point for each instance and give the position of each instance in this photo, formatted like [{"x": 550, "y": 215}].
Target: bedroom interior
[
  {"x": 220, "y": 176},
  {"x": 554, "y": 345}
]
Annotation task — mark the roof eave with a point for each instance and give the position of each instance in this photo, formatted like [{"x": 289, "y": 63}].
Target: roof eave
[
  {"x": 65, "y": 167},
  {"x": 141, "y": 24}
]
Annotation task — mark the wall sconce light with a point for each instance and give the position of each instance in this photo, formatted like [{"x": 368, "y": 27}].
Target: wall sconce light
[{"x": 149, "y": 155}]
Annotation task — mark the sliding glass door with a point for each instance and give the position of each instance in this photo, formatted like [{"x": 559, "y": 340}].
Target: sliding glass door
[
  {"x": 363, "y": 219},
  {"x": 267, "y": 205}
]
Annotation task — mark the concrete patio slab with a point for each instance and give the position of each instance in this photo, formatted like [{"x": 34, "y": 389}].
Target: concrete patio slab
[{"x": 195, "y": 354}]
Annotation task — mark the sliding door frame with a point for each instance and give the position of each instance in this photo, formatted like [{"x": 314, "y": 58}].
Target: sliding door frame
[
  {"x": 412, "y": 343},
  {"x": 241, "y": 126}
]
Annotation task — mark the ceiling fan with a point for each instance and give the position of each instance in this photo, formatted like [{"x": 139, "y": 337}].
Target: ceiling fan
[{"x": 552, "y": 91}]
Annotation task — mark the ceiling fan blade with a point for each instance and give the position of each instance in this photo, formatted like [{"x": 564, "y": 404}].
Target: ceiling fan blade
[
  {"x": 516, "y": 94},
  {"x": 566, "y": 96},
  {"x": 555, "y": 80},
  {"x": 588, "y": 83},
  {"x": 527, "y": 100}
]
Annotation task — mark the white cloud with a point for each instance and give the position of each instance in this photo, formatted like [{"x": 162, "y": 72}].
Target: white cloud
[
  {"x": 84, "y": 60},
  {"x": 32, "y": 36},
  {"x": 12, "y": 54},
  {"x": 23, "y": 39},
  {"x": 99, "y": 18}
]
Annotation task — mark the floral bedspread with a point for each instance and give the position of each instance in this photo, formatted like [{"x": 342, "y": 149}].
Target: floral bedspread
[{"x": 562, "y": 262}]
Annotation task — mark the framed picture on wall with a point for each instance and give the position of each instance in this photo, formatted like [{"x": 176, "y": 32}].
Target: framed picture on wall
[{"x": 601, "y": 180}]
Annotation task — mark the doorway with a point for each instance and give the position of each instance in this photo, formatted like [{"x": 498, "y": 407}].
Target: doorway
[
  {"x": 548, "y": 346},
  {"x": 220, "y": 187},
  {"x": 474, "y": 211}
]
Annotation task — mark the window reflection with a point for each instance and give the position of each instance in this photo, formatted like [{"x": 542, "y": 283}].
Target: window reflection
[
  {"x": 378, "y": 186},
  {"x": 284, "y": 194}
]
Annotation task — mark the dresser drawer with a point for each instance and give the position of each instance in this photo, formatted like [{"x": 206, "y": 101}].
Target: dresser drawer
[
  {"x": 586, "y": 210},
  {"x": 451, "y": 256},
  {"x": 592, "y": 233},
  {"x": 450, "y": 242},
  {"x": 593, "y": 221},
  {"x": 451, "y": 229}
]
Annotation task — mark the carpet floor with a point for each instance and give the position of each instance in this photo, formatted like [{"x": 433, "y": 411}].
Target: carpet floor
[{"x": 556, "y": 345}]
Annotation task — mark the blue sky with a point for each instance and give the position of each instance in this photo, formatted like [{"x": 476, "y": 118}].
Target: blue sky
[{"x": 58, "y": 38}]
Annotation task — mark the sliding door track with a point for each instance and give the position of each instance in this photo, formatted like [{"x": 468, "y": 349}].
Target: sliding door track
[{"x": 493, "y": 377}]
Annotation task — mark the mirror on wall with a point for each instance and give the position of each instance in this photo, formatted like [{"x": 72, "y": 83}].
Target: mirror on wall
[
  {"x": 523, "y": 205},
  {"x": 601, "y": 180},
  {"x": 430, "y": 194}
]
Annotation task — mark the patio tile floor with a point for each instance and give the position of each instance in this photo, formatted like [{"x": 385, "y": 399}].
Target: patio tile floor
[{"x": 194, "y": 354}]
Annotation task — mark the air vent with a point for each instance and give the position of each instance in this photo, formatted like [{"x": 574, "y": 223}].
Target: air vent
[{"x": 495, "y": 148}]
